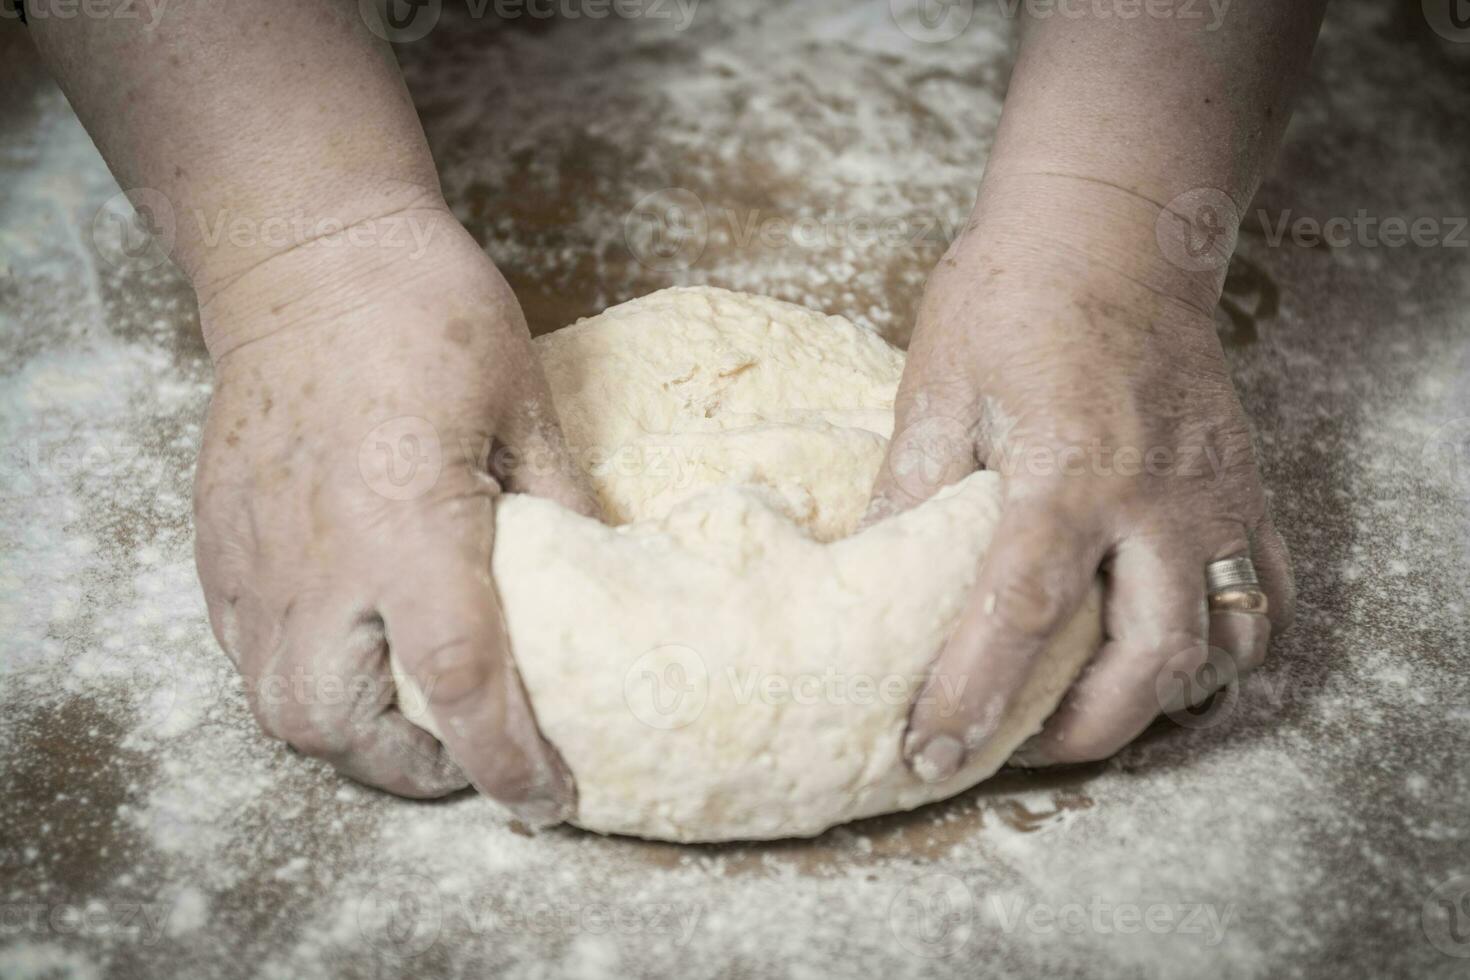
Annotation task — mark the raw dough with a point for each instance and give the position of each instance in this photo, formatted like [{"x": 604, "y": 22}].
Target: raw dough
[{"x": 727, "y": 663}]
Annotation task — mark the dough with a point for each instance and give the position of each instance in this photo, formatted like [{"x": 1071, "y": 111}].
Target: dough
[{"x": 728, "y": 663}]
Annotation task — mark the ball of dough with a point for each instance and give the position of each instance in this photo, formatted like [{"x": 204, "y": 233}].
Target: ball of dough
[{"x": 724, "y": 659}]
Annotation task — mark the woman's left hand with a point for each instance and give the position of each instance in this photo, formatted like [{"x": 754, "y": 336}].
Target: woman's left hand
[{"x": 1104, "y": 403}]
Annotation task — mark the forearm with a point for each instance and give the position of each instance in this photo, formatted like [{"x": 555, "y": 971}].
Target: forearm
[
  {"x": 261, "y": 123},
  {"x": 1108, "y": 120}
]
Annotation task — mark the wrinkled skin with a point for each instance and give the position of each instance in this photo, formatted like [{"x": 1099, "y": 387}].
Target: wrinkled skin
[
  {"x": 1105, "y": 405},
  {"x": 345, "y": 505}
]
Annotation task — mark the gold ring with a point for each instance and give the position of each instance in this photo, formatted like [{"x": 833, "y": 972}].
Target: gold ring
[{"x": 1239, "y": 600}]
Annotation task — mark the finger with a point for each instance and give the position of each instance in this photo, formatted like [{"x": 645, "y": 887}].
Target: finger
[
  {"x": 329, "y": 695},
  {"x": 1038, "y": 570},
  {"x": 530, "y": 454},
  {"x": 1244, "y": 636},
  {"x": 1154, "y": 615},
  {"x": 933, "y": 445},
  {"x": 446, "y": 630},
  {"x": 532, "y": 457},
  {"x": 1273, "y": 567}
]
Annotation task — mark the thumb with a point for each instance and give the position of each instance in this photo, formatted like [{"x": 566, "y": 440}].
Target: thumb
[
  {"x": 933, "y": 445},
  {"x": 531, "y": 456},
  {"x": 447, "y": 633}
]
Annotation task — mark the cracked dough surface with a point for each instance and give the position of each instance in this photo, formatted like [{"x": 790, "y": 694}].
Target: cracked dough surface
[{"x": 727, "y": 660}]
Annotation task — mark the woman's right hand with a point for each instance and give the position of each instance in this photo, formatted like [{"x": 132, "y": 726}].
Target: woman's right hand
[{"x": 345, "y": 505}]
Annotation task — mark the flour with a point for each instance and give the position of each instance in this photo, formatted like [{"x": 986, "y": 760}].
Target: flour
[{"x": 1323, "y": 808}]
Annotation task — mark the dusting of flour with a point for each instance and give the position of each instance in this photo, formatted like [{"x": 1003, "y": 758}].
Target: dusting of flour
[{"x": 147, "y": 829}]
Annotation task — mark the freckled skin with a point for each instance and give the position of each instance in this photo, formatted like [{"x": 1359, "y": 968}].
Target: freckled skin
[
  {"x": 1057, "y": 328},
  {"x": 313, "y": 559},
  {"x": 459, "y": 331},
  {"x": 1052, "y": 323}
]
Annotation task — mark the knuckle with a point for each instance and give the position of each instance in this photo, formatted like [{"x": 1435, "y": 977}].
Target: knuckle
[
  {"x": 319, "y": 743},
  {"x": 1093, "y": 747},
  {"x": 455, "y": 670},
  {"x": 321, "y": 733},
  {"x": 268, "y": 715},
  {"x": 1027, "y": 603}
]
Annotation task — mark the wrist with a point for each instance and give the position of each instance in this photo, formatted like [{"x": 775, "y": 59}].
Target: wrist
[
  {"x": 1091, "y": 232},
  {"x": 361, "y": 272}
]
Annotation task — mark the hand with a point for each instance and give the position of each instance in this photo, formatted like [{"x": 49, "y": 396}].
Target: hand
[
  {"x": 345, "y": 504},
  {"x": 1106, "y": 407}
]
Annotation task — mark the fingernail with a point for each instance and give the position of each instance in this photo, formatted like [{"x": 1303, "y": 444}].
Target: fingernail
[
  {"x": 549, "y": 799},
  {"x": 542, "y": 813},
  {"x": 1029, "y": 759},
  {"x": 939, "y": 759}
]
